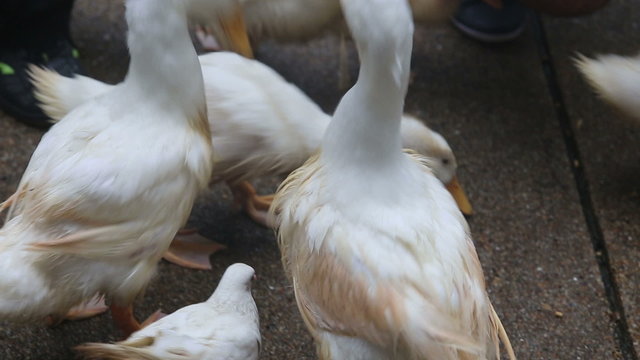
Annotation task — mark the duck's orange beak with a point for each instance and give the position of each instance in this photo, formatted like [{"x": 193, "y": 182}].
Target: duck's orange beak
[
  {"x": 459, "y": 196},
  {"x": 495, "y": 3}
]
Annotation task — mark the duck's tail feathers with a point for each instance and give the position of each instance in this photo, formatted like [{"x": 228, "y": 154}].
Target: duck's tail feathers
[
  {"x": 117, "y": 351},
  {"x": 502, "y": 335},
  {"x": 57, "y": 95},
  {"x": 615, "y": 78}
]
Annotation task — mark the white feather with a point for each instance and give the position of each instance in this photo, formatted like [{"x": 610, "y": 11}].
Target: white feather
[{"x": 616, "y": 79}]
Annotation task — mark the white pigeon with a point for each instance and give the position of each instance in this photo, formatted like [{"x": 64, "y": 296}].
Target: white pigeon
[{"x": 224, "y": 327}]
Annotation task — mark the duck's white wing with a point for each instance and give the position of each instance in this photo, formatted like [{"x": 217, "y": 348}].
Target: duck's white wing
[
  {"x": 396, "y": 309},
  {"x": 261, "y": 124},
  {"x": 89, "y": 185}
]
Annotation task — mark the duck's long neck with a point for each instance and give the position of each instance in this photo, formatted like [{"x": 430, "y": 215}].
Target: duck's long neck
[
  {"x": 164, "y": 65},
  {"x": 365, "y": 129}
]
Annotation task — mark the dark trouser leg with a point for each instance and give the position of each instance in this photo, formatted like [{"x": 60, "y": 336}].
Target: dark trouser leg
[
  {"x": 33, "y": 20},
  {"x": 32, "y": 32}
]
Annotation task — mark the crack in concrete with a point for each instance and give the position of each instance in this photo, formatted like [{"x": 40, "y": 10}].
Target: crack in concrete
[{"x": 612, "y": 291}]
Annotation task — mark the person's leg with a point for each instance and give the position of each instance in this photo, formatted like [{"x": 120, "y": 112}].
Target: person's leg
[
  {"x": 32, "y": 32},
  {"x": 49, "y": 13}
]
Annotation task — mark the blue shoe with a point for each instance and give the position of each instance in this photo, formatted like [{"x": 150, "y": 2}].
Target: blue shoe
[{"x": 488, "y": 24}]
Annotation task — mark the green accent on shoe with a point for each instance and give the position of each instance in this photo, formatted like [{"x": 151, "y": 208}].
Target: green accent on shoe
[
  {"x": 75, "y": 53},
  {"x": 5, "y": 69},
  {"x": 45, "y": 57}
]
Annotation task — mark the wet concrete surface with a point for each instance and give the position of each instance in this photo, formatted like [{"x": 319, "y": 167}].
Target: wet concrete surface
[
  {"x": 494, "y": 106},
  {"x": 609, "y": 142}
]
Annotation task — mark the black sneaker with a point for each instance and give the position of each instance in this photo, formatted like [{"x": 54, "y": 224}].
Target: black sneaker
[
  {"x": 16, "y": 91},
  {"x": 488, "y": 24}
]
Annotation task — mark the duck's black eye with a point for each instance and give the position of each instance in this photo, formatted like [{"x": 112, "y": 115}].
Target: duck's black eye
[{"x": 445, "y": 161}]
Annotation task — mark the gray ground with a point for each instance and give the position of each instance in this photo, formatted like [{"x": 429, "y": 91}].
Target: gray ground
[{"x": 534, "y": 161}]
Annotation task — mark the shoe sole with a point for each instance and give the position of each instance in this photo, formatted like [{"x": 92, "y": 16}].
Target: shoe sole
[{"x": 486, "y": 37}]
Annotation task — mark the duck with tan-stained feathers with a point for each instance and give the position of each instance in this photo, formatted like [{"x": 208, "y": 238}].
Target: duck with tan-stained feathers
[
  {"x": 110, "y": 184},
  {"x": 381, "y": 260}
]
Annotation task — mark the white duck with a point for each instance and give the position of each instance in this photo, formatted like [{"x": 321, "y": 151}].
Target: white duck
[
  {"x": 616, "y": 79},
  {"x": 381, "y": 260},
  {"x": 224, "y": 327},
  {"x": 261, "y": 125},
  {"x": 110, "y": 184},
  {"x": 296, "y": 20}
]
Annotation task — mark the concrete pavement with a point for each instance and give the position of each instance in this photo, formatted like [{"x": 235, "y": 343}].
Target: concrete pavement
[{"x": 552, "y": 173}]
